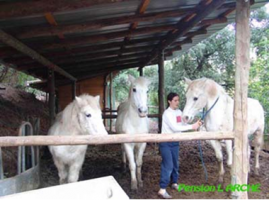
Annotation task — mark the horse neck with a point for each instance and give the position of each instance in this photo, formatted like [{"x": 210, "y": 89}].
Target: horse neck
[{"x": 215, "y": 116}]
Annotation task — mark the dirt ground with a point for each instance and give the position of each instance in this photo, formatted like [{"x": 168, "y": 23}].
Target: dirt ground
[
  {"x": 106, "y": 160},
  {"x": 16, "y": 105}
]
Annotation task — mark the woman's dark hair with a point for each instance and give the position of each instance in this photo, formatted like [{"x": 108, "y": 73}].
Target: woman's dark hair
[{"x": 170, "y": 97}]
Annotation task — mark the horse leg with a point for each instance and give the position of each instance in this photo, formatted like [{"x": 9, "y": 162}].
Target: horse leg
[
  {"x": 62, "y": 171},
  {"x": 248, "y": 163},
  {"x": 129, "y": 150},
  {"x": 229, "y": 150},
  {"x": 123, "y": 158},
  {"x": 75, "y": 168},
  {"x": 139, "y": 161},
  {"x": 218, "y": 151},
  {"x": 258, "y": 147}
]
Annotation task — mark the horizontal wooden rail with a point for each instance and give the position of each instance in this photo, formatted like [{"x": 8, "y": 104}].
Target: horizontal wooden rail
[
  {"x": 111, "y": 139},
  {"x": 114, "y": 116}
]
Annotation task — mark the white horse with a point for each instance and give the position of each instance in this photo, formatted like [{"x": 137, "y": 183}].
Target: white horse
[
  {"x": 81, "y": 117},
  {"x": 132, "y": 119},
  {"x": 205, "y": 93}
]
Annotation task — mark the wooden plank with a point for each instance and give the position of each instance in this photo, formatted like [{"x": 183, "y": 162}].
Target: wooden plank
[
  {"x": 161, "y": 87},
  {"x": 242, "y": 59},
  {"x": 38, "y": 7},
  {"x": 213, "y": 21},
  {"x": 6, "y": 141},
  {"x": 13, "y": 42}
]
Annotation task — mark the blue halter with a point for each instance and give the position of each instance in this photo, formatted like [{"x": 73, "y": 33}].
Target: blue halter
[{"x": 205, "y": 113}]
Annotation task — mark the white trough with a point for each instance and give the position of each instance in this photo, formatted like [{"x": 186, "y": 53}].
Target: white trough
[{"x": 99, "y": 188}]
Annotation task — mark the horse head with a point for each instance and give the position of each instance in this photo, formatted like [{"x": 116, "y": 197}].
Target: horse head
[
  {"x": 139, "y": 94},
  {"x": 199, "y": 92},
  {"x": 89, "y": 115}
]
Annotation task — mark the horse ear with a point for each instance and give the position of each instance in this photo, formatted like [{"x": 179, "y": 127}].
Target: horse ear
[
  {"x": 131, "y": 78},
  {"x": 187, "y": 81},
  {"x": 79, "y": 101},
  {"x": 97, "y": 98}
]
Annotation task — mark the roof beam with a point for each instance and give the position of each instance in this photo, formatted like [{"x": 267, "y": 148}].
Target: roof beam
[
  {"x": 39, "y": 7},
  {"x": 7, "y": 51},
  {"x": 13, "y": 42},
  {"x": 98, "y": 60},
  {"x": 80, "y": 52},
  {"x": 141, "y": 10},
  {"x": 105, "y": 37},
  {"x": 38, "y": 31},
  {"x": 184, "y": 25},
  {"x": 51, "y": 20}
]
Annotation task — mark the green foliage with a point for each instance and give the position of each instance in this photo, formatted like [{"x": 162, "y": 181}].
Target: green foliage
[{"x": 213, "y": 58}]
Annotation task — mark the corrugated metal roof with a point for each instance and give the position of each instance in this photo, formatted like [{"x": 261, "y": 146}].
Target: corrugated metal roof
[{"x": 110, "y": 41}]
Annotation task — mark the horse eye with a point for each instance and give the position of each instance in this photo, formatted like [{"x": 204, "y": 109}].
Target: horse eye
[
  {"x": 134, "y": 90},
  {"x": 147, "y": 91},
  {"x": 88, "y": 115},
  {"x": 195, "y": 98}
]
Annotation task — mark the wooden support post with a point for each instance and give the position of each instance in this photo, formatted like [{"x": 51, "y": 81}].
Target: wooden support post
[
  {"x": 161, "y": 87},
  {"x": 111, "y": 99},
  {"x": 240, "y": 155},
  {"x": 51, "y": 96},
  {"x": 104, "y": 100},
  {"x": 141, "y": 71},
  {"x": 74, "y": 90}
]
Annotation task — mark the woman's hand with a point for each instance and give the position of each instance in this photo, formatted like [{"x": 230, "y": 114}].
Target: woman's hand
[{"x": 196, "y": 125}]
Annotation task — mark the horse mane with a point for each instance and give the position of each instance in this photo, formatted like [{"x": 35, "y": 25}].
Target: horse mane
[{"x": 69, "y": 116}]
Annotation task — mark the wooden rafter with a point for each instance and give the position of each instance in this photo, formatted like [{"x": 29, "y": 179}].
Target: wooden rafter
[
  {"x": 39, "y": 7},
  {"x": 141, "y": 10},
  {"x": 13, "y": 42},
  {"x": 184, "y": 25},
  {"x": 40, "y": 31},
  {"x": 49, "y": 17},
  {"x": 92, "y": 51}
]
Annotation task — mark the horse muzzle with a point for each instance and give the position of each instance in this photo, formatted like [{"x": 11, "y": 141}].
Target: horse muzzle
[{"x": 142, "y": 112}]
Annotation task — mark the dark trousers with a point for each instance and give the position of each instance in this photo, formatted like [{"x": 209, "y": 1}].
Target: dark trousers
[{"x": 170, "y": 163}]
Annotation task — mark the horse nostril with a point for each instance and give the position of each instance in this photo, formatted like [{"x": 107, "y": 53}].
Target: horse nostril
[
  {"x": 139, "y": 110},
  {"x": 186, "y": 118}
]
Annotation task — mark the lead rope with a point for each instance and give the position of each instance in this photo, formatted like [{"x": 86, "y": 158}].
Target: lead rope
[{"x": 205, "y": 113}]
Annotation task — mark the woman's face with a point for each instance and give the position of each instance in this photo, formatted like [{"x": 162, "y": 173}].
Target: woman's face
[{"x": 174, "y": 103}]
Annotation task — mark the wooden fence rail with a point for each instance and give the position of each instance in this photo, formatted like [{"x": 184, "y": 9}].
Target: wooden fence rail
[{"x": 111, "y": 139}]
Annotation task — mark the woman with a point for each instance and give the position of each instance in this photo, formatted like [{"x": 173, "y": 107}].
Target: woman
[{"x": 171, "y": 123}]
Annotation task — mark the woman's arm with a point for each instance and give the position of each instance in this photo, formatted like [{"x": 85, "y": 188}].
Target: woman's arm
[{"x": 171, "y": 122}]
